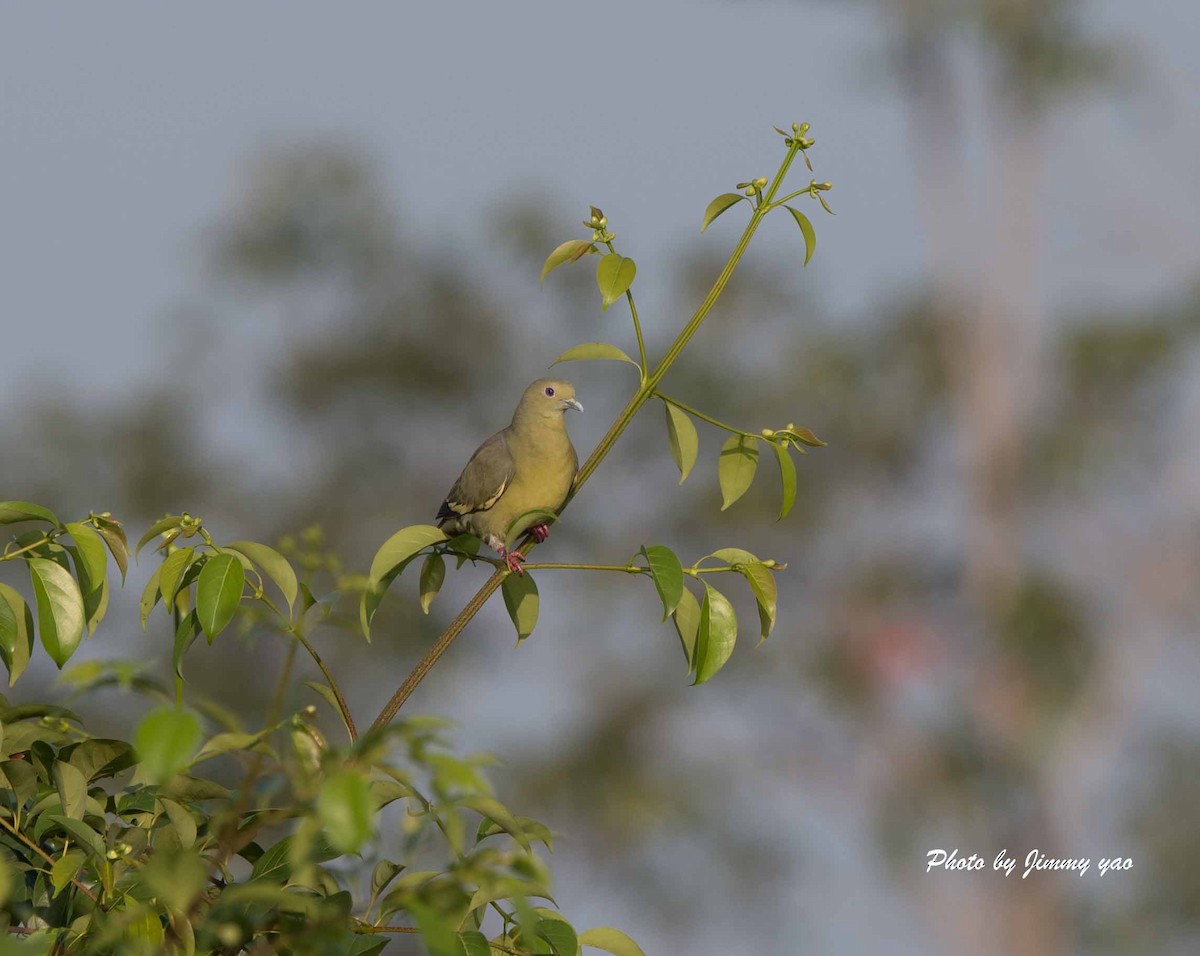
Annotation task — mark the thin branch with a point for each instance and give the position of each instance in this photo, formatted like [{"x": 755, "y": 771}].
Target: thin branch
[
  {"x": 337, "y": 693},
  {"x": 636, "y": 401},
  {"x": 367, "y": 929},
  {"x": 9, "y": 555},
  {"x": 704, "y": 418},
  {"x": 627, "y": 568},
  {"x": 312, "y": 652},
  {"x": 637, "y": 325},
  {"x": 44, "y": 855}
]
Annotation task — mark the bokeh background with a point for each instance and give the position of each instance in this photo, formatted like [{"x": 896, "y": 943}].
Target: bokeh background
[{"x": 277, "y": 265}]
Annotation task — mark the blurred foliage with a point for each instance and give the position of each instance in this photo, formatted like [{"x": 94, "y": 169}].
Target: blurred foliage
[{"x": 119, "y": 847}]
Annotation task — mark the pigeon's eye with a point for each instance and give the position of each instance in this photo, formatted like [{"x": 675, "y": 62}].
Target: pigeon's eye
[{"x": 550, "y": 390}]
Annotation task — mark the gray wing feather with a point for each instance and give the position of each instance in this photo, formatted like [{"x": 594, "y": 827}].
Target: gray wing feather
[{"x": 482, "y": 482}]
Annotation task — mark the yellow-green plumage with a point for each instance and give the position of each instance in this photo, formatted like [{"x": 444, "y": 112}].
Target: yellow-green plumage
[{"x": 527, "y": 466}]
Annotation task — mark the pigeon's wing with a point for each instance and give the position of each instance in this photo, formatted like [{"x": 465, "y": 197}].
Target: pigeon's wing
[{"x": 481, "y": 484}]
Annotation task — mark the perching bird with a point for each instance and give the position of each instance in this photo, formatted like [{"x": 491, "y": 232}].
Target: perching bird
[{"x": 528, "y": 465}]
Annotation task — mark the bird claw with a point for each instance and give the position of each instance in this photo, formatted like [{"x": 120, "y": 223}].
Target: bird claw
[
  {"x": 513, "y": 561},
  {"x": 540, "y": 532}
]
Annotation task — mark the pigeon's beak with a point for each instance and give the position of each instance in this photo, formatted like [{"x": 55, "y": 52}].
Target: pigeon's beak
[{"x": 571, "y": 403}]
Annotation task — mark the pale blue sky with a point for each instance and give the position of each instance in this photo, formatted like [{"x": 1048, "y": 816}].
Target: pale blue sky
[{"x": 123, "y": 135}]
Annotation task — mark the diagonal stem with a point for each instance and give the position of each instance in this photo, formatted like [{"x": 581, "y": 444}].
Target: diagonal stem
[{"x": 639, "y": 398}]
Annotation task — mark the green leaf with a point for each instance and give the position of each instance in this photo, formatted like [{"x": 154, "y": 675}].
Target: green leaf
[
  {"x": 275, "y": 865},
  {"x": 60, "y": 609},
  {"x": 114, "y": 536},
  {"x": 92, "y": 559},
  {"x": 433, "y": 573},
  {"x": 560, "y": 935},
  {"x": 95, "y": 606},
  {"x": 531, "y": 829},
  {"x": 570, "y": 251},
  {"x": 667, "y": 574},
  {"x": 165, "y": 741},
  {"x": 716, "y": 634},
  {"x": 611, "y": 941},
  {"x": 142, "y": 927},
  {"x": 16, "y": 632},
  {"x": 150, "y": 594},
  {"x": 161, "y": 526},
  {"x": 273, "y": 564},
  {"x": 594, "y": 350},
  {"x": 218, "y": 593},
  {"x": 182, "y": 820},
  {"x": 718, "y": 206},
  {"x": 810, "y": 234},
  {"x": 185, "y": 635},
  {"x": 474, "y": 943},
  {"x": 499, "y": 814},
  {"x": 99, "y": 757},
  {"x": 171, "y": 574},
  {"x": 72, "y": 789},
  {"x": 87, "y": 838},
  {"x": 224, "y": 743},
  {"x": 787, "y": 474},
  {"x": 372, "y": 597},
  {"x": 736, "y": 467},
  {"x": 687, "y": 624},
  {"x": 329, "y": 698},
  {"x": 346, "y": 809},
  {"x": 385, "y": 871},
  {"x": 65, "y": 869},
  {"x": 762, "y": 583},
  {"x": 468, "y": 544},
  {"x": 403, "y": 545},
  {"x": 806, "y": 437},
  {"x": 13, "y": 511},
  {"x": 733, "y": 556},
  {"x": 22, "y": 778},
  {"x": 684, "y": 442},
  {"x": 188, "y": 789},
  {"x": 521, "y": 599},
  {"x": 614, "y": 275}
]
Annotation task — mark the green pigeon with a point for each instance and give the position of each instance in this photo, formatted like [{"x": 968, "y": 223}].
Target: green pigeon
[{"x": 527, "y": 466}]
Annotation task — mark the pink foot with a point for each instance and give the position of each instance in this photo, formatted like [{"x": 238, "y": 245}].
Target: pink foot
[
  {"x": 513, "y": 559},
  {"x": 540, "y": 532}
]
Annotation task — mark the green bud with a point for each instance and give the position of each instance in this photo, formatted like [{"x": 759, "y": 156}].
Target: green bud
[
  {"x": 795, "y": 127},
  {"x": 760, "y": 182},
  {"x": 768, "y": 433}
]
